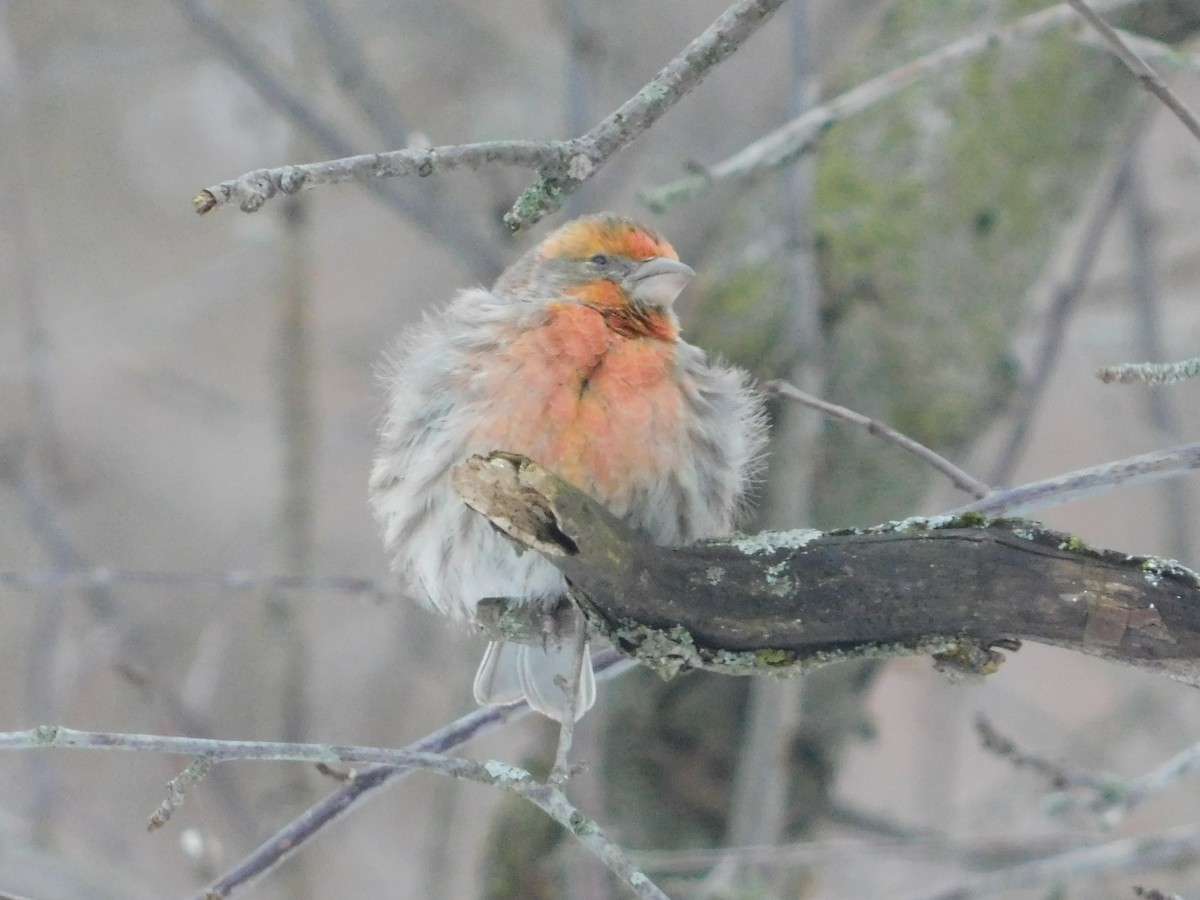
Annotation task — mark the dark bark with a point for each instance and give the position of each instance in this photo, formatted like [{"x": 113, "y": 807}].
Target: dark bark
[{"x": 951, "y": 587}]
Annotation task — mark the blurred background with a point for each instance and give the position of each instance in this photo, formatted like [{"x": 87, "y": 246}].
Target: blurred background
[{"x": 195, "y": 396}]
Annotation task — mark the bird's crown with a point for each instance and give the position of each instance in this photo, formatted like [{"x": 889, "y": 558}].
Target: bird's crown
[
  {"x": 609, "y": 263},
  {"x": 617, "y": 236}
]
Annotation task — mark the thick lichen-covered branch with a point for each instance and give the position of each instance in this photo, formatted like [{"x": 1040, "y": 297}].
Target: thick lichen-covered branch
[{"x": 952, "y": 587}]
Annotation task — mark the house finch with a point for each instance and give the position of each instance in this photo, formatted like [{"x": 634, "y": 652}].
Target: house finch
[{"x": 573, "y": 359}]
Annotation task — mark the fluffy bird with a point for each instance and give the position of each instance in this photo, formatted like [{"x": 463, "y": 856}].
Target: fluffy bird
[{"x": 573, "y": 359}]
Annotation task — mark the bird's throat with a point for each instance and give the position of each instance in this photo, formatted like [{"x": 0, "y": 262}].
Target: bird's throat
[{"x": 637, "y": 321}]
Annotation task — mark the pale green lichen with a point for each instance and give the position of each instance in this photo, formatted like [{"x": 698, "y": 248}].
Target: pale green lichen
[
  {"x": 947, "y": 521},
  {"x": 673, "y": 650},
  {"x": 779, "y": 582},
  {"x": 714, "y": 575},
  {"x": 654, "y": 92},
  {"x": 772, "y": 541},
  {"x": 1155, "y": 568},
  {"x": 503, "y": 773}
]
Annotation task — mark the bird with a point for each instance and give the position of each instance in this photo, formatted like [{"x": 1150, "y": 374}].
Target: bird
[{"x": 573, "y": 359}]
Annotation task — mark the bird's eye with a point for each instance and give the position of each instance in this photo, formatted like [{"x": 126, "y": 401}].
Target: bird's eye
[{"x": 599, "y": 260}]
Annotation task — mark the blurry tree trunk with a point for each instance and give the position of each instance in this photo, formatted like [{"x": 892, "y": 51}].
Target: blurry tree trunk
[{"x": 294, "y": 383}]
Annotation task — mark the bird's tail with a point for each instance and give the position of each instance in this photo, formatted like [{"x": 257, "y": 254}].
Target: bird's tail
[{"x": 539, "y": 674}]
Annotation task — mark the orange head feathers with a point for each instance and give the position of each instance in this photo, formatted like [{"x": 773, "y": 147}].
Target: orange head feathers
[{"x": 611, "y": 264}]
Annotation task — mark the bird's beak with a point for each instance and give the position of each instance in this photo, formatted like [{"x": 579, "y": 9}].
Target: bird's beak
[{"x": 658, "y": 281}]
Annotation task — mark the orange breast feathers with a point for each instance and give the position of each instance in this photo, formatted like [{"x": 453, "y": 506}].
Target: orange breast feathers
[{"x": 600, "y": 409}]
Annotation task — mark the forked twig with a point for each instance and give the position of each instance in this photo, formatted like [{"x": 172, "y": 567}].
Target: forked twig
[{"x": 563, "y": 166}]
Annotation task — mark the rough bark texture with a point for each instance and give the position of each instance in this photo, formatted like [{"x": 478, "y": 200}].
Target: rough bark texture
[{"x": 776, "y": 601}]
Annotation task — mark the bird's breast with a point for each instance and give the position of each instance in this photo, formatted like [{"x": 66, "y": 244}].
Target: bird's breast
[{"x": 601, "y": 409}]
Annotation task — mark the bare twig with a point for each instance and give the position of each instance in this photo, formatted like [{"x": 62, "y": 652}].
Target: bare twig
[
  {"x": 547, "y": 797},
  {"x": 1066, "y": 297},
  {"x": 1059, "y": 776},
  {"x": 252, "y": 190},
  {"x": 246, "y": 60},
  {"x": 356, "y": 79},
  {"x": 1150, "y": 373},
  {"x": 352, "y": 71},
  {"x": 1149, "y": 49},
  {"x": 294, "y": 376},
  {"x": 801, "y": 135},
  {"x": 1115, "y": 798},
  {"x": 177, "y": 789},
  {"x": 977, "y": 854},
  {"x": 103, "y": 577},
  {"x": 1167, "y": 849},
  {"x": 1149, "y": 78},
  {"x": 562, "y": 165},
  {"x": 1138, "y": 790},
  {"x": 960, "y": 478},
  {"x": 368, "y": 783},
  {"x": 133, "y": 642},
  {"x": 1084, "y": 482},
  {"x": 1147, "y": 310}
]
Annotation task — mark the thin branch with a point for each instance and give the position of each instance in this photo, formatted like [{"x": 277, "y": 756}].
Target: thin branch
[
  {"x": 246, "y": 60},
  {"x": 1150, "y": 373},
  {"x": 547, "y": 797},
  {"x": 177, "y": 789},
  {"x": 1140, "y": 789},
  {"x": 58, "y": 737},
  {"x": 961, "y": 479},
  {"x": 1178, "y": 846},
  {"x": 104, "y": 577},
  {"x": 252, "y": 190},
  {"x": 977, "y": 854},
  {"x": 367, "y": 784},
  {"x": 294, "y": 379},
  {"x": 1093, "y": 480},
  {"x": 1066, "y": 298},
  {"x": 1149, "y": 78},
  {"x": 1147, "y": 293},
  {"x": 799, "y": 136},
  {"x": 674, "y": 81},
  {"x": 352, "y": 71},
  {"x": 1113, "y": 797},
  {"x": 1152, "y": 49},
  {"x": 356, "y": 79},
  {"x": 1059, "y": 776},
  {"x": 133, "y": 642},
  {"x": 563, "y": 166}
]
